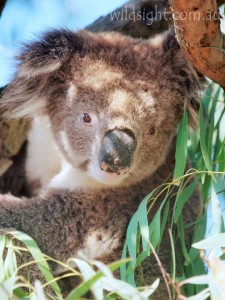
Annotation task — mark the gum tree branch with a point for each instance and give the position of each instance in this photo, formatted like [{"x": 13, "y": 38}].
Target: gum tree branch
[
  {"x": 2, "y": 5},
  {"x": 197, "y": 26},
  {"x": 139, "y": 19},
  {"x": 220, "y": 2}
]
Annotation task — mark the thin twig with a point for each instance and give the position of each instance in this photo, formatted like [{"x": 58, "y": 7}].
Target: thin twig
[{"x": 163, "y": 271}]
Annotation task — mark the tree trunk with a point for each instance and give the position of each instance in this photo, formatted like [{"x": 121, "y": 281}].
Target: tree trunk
[
  {"x": 197, "y": 26},
  {"x": 139, "y": 19}
]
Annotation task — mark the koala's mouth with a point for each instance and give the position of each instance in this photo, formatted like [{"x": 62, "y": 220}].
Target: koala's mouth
[
  {"x": 113, "y": 170},
  {"x": 103, "y": 174},
  {"x": 107, "y": 177},
  {"x": 112, "y": 163},
  {"x": 84, "y": 165}
]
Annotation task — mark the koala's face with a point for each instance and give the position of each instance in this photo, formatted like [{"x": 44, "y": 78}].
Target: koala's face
[
  {"x": 112, "y": 126},
  {"x": 114, "y": 103},
  {"x": 113, "y": 130}
]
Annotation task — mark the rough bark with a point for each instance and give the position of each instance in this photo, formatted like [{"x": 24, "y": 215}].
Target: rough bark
[
  {"x": 197, "y": 26},
  {"x": 139, "y": 19},
  {"x": 13, "y": 135},
  {"x": 220, "y": 2}
]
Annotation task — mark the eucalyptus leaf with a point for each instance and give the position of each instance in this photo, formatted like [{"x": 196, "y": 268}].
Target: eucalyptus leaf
[
  {"x": 85, "y": 286},
  {"x": 217, "y": 240},
  {"x": 142, "y": 215},
  {"x": 205, "y": 154},
  {"x": 216, "y": 211},
  {"x": 201, "y": 279},
  {"x": 182, "y": 197},
  {"x": 7, "y": 287},
  {"x": 181, "y": 147},
  {"x": 38, "y": 256},
  {"x": 88, "y": 272},
  {"x": 131, "y": 238}
]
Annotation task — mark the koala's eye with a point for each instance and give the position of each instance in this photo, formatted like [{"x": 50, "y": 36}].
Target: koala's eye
[
  {"x": 86, "y": 118},
  {"x": 150, "y": 132}
]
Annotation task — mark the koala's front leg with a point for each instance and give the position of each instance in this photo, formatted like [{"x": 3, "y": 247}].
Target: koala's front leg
[
  {"x": 37, "y": 217},
  {"x": 13, "y": 213},
  {"x": 54, "y": 220},
  {"x": 9, "y": 209}
]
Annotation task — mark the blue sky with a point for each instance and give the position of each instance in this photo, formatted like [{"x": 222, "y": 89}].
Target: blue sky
[{"x": 23, "y": 19}]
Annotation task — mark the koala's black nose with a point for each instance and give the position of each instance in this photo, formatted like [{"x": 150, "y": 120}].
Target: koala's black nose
[{"x": 117, "y": 151}]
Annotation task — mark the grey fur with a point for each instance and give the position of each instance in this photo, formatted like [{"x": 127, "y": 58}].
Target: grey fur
[{"x": 156, "y": 84}]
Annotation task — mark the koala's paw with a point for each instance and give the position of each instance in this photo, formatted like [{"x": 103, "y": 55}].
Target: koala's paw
[
  {"x": 1, "y": 197},
  {"x": 4, "y": 197},
  {"x": 8, "y": 197}
]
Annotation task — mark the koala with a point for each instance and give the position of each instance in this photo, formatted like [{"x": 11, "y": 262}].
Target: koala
[{"x": 105, "y": 110}]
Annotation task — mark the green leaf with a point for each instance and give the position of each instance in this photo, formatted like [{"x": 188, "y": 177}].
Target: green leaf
[
  {"x": 2, "y": 247},
  {"x": 143, "y": 222},
  {"x": 10, "y": 261},
  {"x": 210, "y": 136},
  {"x": 139, "y": 218},
  {"x": 141, "y": 258},
  {"x": 181, "y": 147},
  {"x": 217, "y": 240},
  {"x": 123, "y": 289},
  {"x": 205, "y": 188},
  {"x": 88, "y": 272},
  {"x": 123, "y": 268},
  {"x": 201, "y": 279},
  {"x": 130, "y": 275},
  {"x": 212, "y": 121},
  {"x": 182, "y": 198},
  {"x": 182, "y": 240},
  {"x": 199, "y": 269},
  {"x": 38, "y": 256},
  {"x": 216, "y": 211},
  {"x": 131, "y": 238},
  {"x": 19, "y": 293},
  {"x": 150, "y": 289},
  {"x": 221, "y": 160},
  {"x": 207, "y": 96},
  {"x": 198, "y": 235},
  {"x": 154, "y": 229},
  {"x": 164, "y": 219},
  {"x": 142, "y": 215},
  {"x": 202, "y": 139},
  {"x": 84, "y": 287},
  {"x": 217, "y": 144},
  {"x": 6, "y": 288}
]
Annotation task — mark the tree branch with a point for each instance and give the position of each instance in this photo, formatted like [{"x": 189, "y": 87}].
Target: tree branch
[
  {"x": 2, "y": 5},
  {"x": 220, "y": 2},
  {"x": 197, "y": 26},
  {"x": 137, "y": 18}
]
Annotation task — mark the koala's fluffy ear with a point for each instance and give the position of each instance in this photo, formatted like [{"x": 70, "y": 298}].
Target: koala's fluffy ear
[
  {"x": 190, "y": 81},
  {"x": 25, "y": 96}
]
